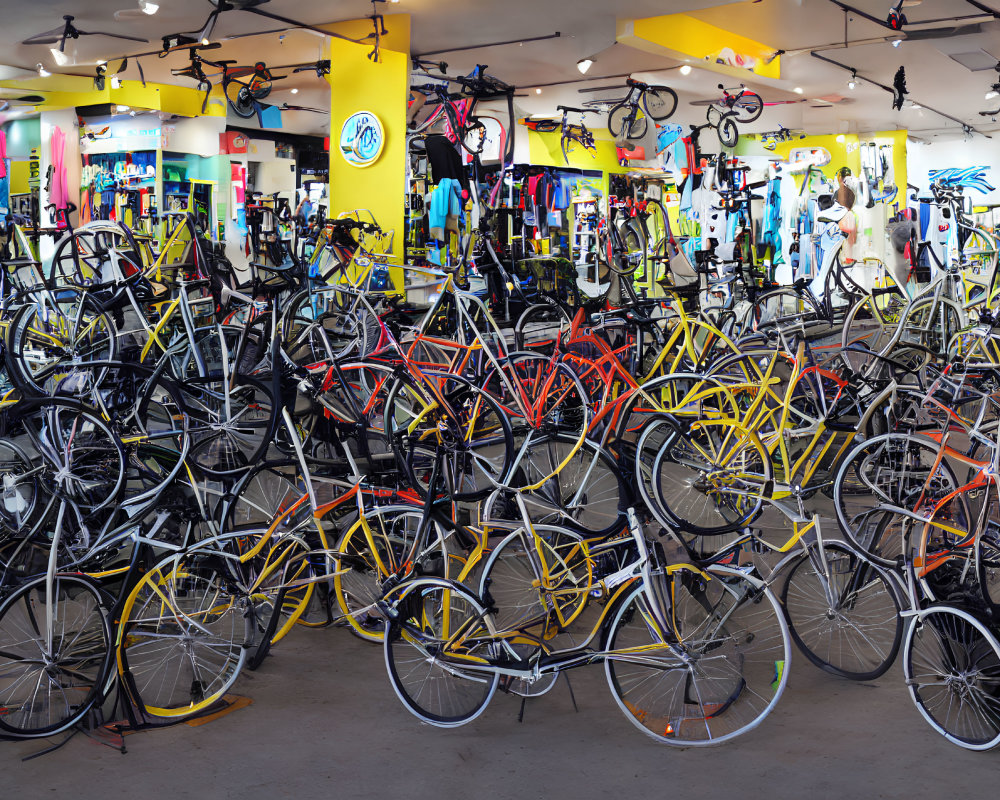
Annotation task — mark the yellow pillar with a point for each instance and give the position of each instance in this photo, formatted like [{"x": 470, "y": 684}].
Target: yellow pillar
[{"x": 359, "y": 84}]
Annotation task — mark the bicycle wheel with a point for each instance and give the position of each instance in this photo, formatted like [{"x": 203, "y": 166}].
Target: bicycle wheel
[
  {"x": 704, "y": 667},
  {"x": 891, "y": 470},
  {"x": 660, "y": 102},
  {"x": 531, "y": 582},
  {"x": 51, "y": 342},
  {"x": 729, "y": 134},
  {"x": 231, "y": 422},
  {"x": 711, "y": 476},
  {"x": 951, "y": 664},
  {"x": 436, "y": 653},
  {"x": 21, "y": 501},
  {"x": 540, "y": 397},
  {"x": 241, "y": 99},
  {"x": 83, "y": 462},
  {"x": 540, "y": 327},
  {"x": 842, "y": 613},
  {"x": 53, "y": 668},
  {"x": 930, "y": 323},
  {"x": 263, "y": 498},
  {"x": 869, "y": 325},
  {"x": 381, "y": 547},
  {"x": 635, "y": 255},
  {"x": 748, "y": 107},
  {"x": 457, "y": 422},
  {"x": 683, "y": 395},
  {"x": 625, "y": 122},
  {"x": 576, "y": 485},
  {"x": 184, "y": 634}
]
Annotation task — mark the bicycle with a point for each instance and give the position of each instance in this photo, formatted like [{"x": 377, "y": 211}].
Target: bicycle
[
  {"x": 569, "y": 134},
  {"x": 627, "y": 118}
]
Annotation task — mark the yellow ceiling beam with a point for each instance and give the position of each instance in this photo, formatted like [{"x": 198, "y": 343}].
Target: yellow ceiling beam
[
  {"x": 68, "y": 91},
  {"x": 685, "y": 38}
]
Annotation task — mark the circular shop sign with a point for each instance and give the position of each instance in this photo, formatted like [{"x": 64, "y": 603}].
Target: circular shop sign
[{"x": 361, "y": 139}]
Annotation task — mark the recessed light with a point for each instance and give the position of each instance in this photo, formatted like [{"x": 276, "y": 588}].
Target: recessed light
[
  {"x": 538, "y": 91},
  {"x": 149, "y": 8},
  {"x": 897, "y": 42},
  {"x": 295, "y": 91},
  {"x": 841, "y": 138},
  {"x": 584, "y": 64},
  {"x": 798, "y": 90},
  {"x": 686, "y": 69}
]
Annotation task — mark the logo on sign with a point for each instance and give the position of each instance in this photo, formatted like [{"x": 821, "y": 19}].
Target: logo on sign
[{"x": 361, "y": 139}]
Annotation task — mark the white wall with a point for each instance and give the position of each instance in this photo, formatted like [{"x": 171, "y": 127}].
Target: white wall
[{"x": 955, "y": 153}]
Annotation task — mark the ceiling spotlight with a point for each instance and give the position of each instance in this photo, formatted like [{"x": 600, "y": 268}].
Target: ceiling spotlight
[
  {"x": 393, "y": 1},
  {"x": 116, "y": 82},
  {"x": 538, "y": 91},
  {"x": 584, "y": 64},
  {"x": 798, "y": 90},
  {"x": 686, "y": 69},
  {"x": 148, "y": 8},
  {"x": 60, "y": 57},
  {"x": 42, "y": 72},
  {"x": 897, "y": 42},
  {"x": 205, "y": 42},
  {"x": 992, "y": 93},
  {"x": 841, "y": 138},
  {"x": 295, "y": 91},
  {"x": 853, "y": 82},
  {"x": 121, "y": 109}
]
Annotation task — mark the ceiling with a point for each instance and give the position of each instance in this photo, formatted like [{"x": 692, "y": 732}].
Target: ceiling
[{"x": 587, "y": 29}]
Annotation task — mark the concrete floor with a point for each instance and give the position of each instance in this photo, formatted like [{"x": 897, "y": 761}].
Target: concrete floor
[{"x": 324, "y": 719}]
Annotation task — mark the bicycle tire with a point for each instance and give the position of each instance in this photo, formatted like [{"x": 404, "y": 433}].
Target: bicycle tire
[
  {"x": 522, "y": 572},
  {"x": 748, "y": 107},
  {"x": 41, "y": 696},
  {"x": 240, "y": 98},
  {"x": 624, "y": 122},
  {"x": 546, "y": 126},
  {"x": 859, "y": 635},
  {"x": 729, "y": 134},
  {"x": 658, "y": 678},
  {"x": 48, "y": 352},
  {"x": 184, "y": 634},
  {"x": 231, "y": 422},
  {"x": 540, "y": 326},
  {"x": 381, "y": 549},
  {"x": 429, "y": 618},
  {"x": 951, "y": 664},
  {"x": 664, "y": 102},
  {"x": 711, "y": 477},
  {"x": 583, "y": 489},
  {"x": 889, "y": 470},
  {"x": 475, "y": 436}
]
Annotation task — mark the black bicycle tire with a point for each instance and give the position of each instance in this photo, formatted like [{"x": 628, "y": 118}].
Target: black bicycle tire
[
  {"x": 729, "y": 134},
  {"x": 885, "y": 660},
  {"x": 657, "y": 91}
]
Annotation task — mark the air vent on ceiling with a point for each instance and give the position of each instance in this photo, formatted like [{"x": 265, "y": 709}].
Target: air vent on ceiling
[{"x": 976, "y": 61}]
